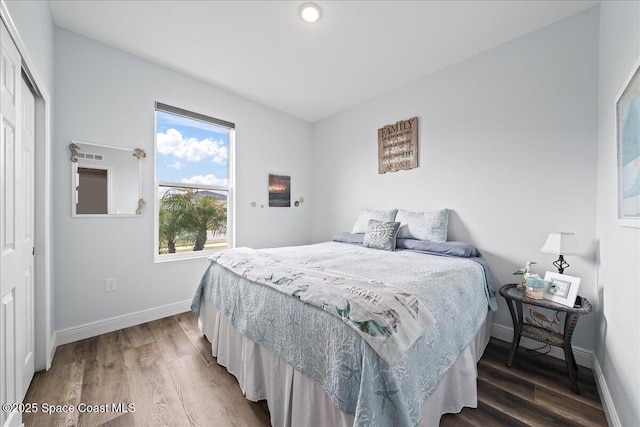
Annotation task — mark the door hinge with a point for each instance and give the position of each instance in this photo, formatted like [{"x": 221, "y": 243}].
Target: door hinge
[{"x": 33, "y": 250}]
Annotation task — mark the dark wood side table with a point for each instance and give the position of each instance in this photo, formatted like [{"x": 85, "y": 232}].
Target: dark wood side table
[{"x": 516, "y": 297}]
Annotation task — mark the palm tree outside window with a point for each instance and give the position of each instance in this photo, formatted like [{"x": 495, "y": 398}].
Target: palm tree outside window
[{"x": 193, "y": 182}]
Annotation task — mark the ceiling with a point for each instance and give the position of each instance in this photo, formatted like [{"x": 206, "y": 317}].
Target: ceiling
[{"x": 263, "y": 51}]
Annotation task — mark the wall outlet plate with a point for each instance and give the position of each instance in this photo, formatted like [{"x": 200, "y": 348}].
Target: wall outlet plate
[{"x": 110, "y": 285}]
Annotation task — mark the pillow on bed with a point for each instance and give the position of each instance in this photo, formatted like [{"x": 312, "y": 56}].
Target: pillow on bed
[
  {"x": 430, "y": 226},
  {"x": 366, "y": 214},
  {"x": 459, "y": 249},
  {"x": 346, "y": 237},
  {"x": 381, "y": 235}
]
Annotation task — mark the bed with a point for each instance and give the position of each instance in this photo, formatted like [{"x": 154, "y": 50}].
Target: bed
[{"x": 313, "y": 369}]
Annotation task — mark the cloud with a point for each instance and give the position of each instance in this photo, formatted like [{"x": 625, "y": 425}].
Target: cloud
[
  {"x": 177, "y": 165},
  {"x": 173, "y": 143},
  {"x": 205, "y": 180}
]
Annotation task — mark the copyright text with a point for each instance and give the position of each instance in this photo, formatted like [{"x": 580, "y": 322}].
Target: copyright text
[{"x": 49, "y": 408}]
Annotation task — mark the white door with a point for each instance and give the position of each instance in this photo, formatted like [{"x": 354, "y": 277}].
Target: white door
[
  {"x": 26, "y": 327},
  {"x": 11, "y": 219}
]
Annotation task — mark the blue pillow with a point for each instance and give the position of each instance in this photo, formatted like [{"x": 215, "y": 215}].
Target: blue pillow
[
  {"x": 346, "y": 237},
  {"x": 381, "y": 235},
  {"x": 459, "y": 249}
]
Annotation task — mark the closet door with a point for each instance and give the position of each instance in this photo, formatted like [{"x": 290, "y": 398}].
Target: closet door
[
  {"x": 25, "y": 294},
  {"x": 11, "y": 218}
]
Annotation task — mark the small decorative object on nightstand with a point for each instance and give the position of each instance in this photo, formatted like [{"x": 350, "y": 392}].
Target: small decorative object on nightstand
[
  {"x": 537, "y": 331},
  {"x": 534, "y": 288},
  {"x": 526, "y": 273}
]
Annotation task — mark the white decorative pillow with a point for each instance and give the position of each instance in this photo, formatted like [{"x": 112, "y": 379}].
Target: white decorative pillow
[
  {"x": 366, "y": 214},
  {"x": 381, "y": 235},
  {"x": 430, "y": 226}
]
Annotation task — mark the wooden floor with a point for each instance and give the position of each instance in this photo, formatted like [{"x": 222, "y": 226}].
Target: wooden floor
[
  {"x": 165, "y": 370},
  {"x": 535, "y": 391}
]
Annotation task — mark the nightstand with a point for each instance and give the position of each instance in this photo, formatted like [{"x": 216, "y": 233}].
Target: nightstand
[{"x": 515, "y": 298}]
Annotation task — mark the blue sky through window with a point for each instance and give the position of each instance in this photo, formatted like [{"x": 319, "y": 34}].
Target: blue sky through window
[{"x": 190, "y": 151}]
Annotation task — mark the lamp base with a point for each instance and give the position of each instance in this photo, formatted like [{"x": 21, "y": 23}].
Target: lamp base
[{"x": 560, "y": 264}]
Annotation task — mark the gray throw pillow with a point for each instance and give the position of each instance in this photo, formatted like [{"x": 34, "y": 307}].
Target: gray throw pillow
[
  {"x": 366, "y": 214},
  {"x": 381, "y": 235}
]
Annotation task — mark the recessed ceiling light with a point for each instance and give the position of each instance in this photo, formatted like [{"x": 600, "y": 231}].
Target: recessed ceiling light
[{"x": 310, "y": 12}]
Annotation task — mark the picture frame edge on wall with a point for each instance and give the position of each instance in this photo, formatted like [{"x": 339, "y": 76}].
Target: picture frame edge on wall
[{"x": 622, "y": 219}]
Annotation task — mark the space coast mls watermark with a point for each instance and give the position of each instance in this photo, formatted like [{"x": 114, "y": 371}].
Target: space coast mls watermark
[
  {"x": 398, "y": 146},
  {"x": 49, "y": 408}
]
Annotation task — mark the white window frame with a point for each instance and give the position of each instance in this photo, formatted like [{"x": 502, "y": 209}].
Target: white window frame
[{"x": 230, "y": 188}]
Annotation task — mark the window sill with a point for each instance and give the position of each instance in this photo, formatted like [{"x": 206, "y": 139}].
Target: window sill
[{"x": 187, "y": 255}]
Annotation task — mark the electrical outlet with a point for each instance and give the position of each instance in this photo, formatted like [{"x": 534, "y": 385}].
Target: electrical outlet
[{"x": 110, "y": 285}]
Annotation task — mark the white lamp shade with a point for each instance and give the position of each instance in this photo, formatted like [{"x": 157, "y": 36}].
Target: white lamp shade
[{"x": 561, "y": 243}]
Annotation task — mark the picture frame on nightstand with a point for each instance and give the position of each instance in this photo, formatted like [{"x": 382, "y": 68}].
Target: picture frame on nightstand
[{"x": 561, "y": 288}]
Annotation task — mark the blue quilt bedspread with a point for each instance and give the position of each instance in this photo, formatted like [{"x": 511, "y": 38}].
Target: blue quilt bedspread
[{"x": 320, "y": 345}]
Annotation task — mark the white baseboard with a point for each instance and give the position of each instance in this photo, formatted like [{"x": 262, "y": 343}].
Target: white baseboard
[
  {"x": 54, "y": 345},
  {"x": 505, "y": 333},
  {"x": 92, "y": 329},
  {"x": 605, "y": 395}
]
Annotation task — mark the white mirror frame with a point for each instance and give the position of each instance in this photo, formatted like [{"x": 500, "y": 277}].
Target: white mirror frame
[{"x": 76, "y": 147}]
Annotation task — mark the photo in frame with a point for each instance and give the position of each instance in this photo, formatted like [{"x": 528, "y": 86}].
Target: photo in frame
[
  {"x": 279, "y": 191},
  {"x": 628, "y": 150},
  {"x": 561, "y": 288}
]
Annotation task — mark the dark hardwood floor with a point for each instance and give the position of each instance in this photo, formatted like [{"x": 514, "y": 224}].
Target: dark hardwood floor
[
  {"x": 535, "y": 391},
  {"x": 165, "y": 370}
]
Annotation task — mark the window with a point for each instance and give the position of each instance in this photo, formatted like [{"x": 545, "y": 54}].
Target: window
[{"x": 193, "y": 182}]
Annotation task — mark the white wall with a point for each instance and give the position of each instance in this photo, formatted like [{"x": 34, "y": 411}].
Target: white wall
[
  {"x": 34, "y": 23},
  {"x": 507, "y": 140},
  {"x": 107, "y": 96},
  {"x": 617, "y": 341}
]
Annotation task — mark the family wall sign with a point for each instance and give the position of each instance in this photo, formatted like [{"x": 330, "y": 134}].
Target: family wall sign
[{"x": 398, "y": 146}]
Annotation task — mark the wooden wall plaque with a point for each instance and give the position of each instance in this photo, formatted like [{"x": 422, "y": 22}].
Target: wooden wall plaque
[{"x": 398, "y": 146}]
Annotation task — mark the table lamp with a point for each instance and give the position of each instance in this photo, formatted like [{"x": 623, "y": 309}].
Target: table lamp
[{"x": 561, "y": 243}]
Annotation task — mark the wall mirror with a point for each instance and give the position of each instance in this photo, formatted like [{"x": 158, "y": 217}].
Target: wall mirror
[{"x": 106, "y": 180}]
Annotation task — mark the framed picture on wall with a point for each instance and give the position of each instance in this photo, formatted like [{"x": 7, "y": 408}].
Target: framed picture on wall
[
  {"x": 279, "y": 191},
  {"x": 628, "y": 149}
]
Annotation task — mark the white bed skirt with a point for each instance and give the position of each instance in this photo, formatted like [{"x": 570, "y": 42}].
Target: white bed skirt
[{"x": 295, "y": 400}]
